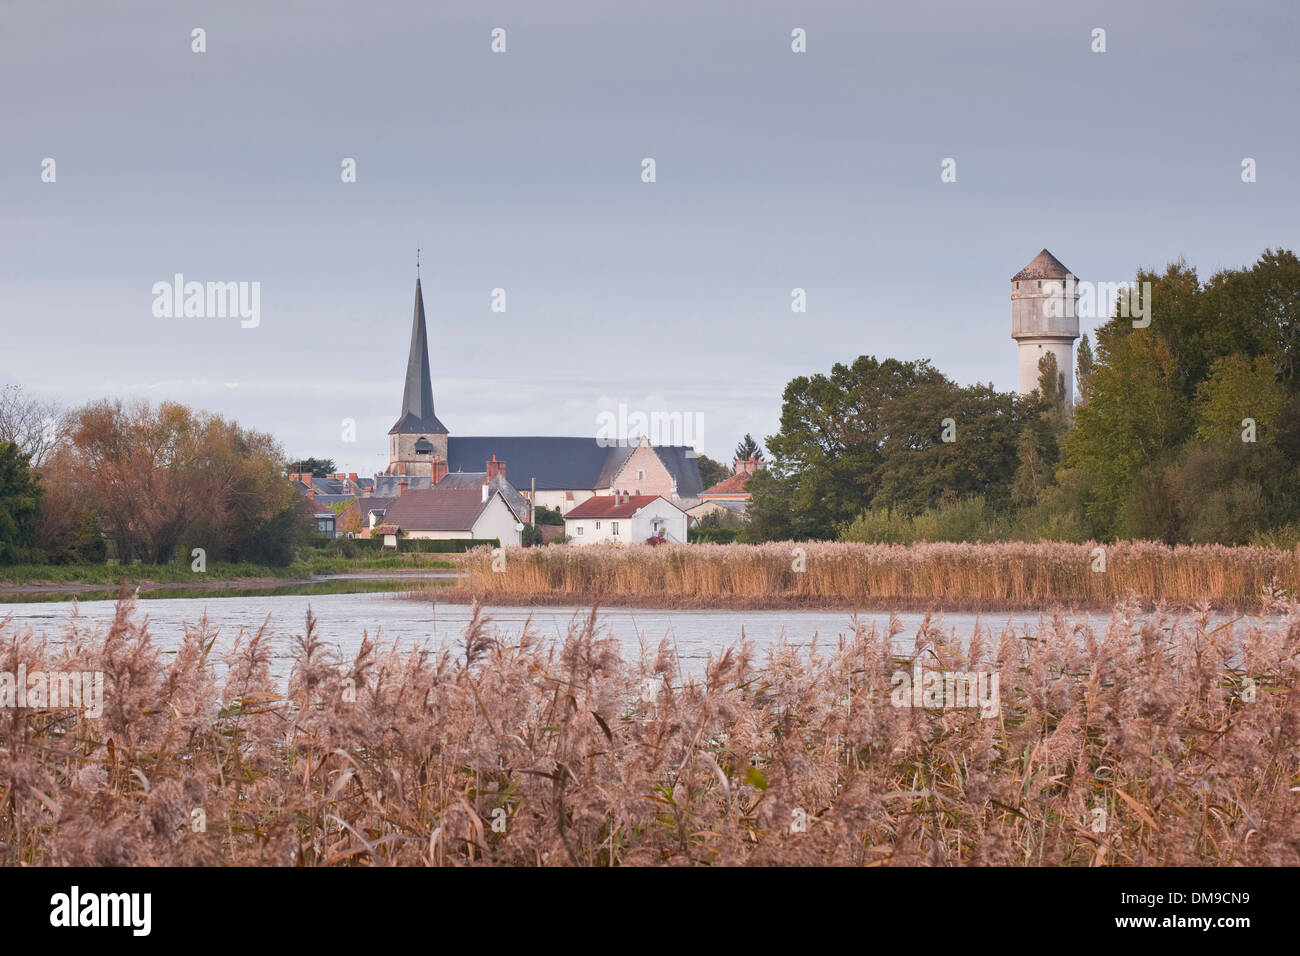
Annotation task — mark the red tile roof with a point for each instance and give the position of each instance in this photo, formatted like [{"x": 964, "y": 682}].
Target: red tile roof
[
  {"x": 734, "y": 485},
  {"x": 611, "y": 506}
]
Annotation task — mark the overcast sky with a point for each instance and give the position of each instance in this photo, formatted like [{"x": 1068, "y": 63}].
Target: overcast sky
[{"x": 522, "y": 171}]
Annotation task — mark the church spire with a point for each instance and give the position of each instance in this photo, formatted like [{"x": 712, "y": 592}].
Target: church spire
[{"x": 417, "y": 397}]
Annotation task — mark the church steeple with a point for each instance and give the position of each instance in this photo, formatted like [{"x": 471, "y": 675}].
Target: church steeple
[{"x": 417, "y": 397}]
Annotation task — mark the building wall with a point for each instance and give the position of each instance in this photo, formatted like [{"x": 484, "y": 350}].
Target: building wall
[
  {"x": 498, "y": 521},
  {"x": 655, "y": 480},
  {"x": 1029, "y": 308},
  {"x": 1037, "y": 332},
  {"x": 559, "y": 500},
  {"x": 633, "y": 530},
  {"x": 401, "y": 450},
  {"x": 1031, "y": 350}
]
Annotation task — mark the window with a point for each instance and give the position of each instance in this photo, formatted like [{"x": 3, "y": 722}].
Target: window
[
  {"x": 579, "y": 529},
  {"x": 640, "y": 476},
  {"x": 597, "y": 525},
  {"x": 613, "y": 527}
]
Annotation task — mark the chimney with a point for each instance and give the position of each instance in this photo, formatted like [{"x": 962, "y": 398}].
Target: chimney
[
  {"x": 744, "y": 467},
  {"x": 439, "y": 471},
  {"x": 494, "y": 468},
  {"x": 401, "y": 488},
  {"x": 486, "y": 490}
]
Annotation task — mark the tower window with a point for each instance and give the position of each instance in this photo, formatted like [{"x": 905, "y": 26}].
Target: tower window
[{"x": 1040, "y": 283}]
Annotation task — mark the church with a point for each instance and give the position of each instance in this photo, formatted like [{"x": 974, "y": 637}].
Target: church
[{"x": 548, "y": 471}]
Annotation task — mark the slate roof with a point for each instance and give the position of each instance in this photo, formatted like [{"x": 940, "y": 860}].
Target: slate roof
[
  {"x": 473, "y": 481},
  {"x": 1043, "y": 266},
  {"x": 436, "y": 509},
  {"x": 373, "y": 503},
  {"x": 682, "y": 464},
  {"x": 386, "y": 485},
  {"x": 417, "y": 398},
  {"x": 562, "y": 463}
]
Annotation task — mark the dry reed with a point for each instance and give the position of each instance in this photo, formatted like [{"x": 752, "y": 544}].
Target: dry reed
[
  {"x": 952, "y": 576},
  {"x": 506, "y": 750}
]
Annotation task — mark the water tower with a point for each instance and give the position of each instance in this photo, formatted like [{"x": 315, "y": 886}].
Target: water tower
[{"x": 1045, "y": 318}]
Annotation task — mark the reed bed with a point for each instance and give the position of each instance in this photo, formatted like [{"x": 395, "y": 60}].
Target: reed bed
[
  {"x": 1181, "y": 739},
  {"x": 953, "y": 576}
]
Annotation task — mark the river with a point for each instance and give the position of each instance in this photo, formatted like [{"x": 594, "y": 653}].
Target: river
[{"x": 342, "y": 619}]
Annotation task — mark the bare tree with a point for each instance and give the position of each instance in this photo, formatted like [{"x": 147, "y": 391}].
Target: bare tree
[{"x": 37, "y": 427}]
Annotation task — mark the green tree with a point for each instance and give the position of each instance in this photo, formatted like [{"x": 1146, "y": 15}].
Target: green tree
[
  {"x": 1239, "y": 389},
  {"x": 316, "y": 467},
  {"x": 711, "y": 472},
  {"x": 1084, "y": 366},
  {"x": 20, "y": 503},
  {"x": 874, "y": 433},
  {"x": 749, "y": 448},
  {"x": 1137, "y": 415}
]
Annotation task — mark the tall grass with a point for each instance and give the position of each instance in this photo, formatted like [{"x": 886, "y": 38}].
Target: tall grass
[
  {"x": 950, "y": 575},
  {"x": 1185, "y": 737}
]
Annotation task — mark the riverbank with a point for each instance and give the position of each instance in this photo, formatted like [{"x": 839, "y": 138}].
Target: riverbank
[
  {"x": 40, "y": 578},
  {"x": 968, "y": 577}
]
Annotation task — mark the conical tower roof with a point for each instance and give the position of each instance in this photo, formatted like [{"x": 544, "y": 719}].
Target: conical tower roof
[
  {"x": 1043, "y": 266},
  {"x": 417, "y": 398}
]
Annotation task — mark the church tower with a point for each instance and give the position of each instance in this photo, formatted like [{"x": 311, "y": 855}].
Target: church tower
[
  {"x": 418, "y": 438},
  {"x": 1045, "y": 318}
]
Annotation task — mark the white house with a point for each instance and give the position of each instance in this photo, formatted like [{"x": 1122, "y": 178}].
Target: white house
[
  {"x": 446, "y": 513},
  {"x": 626, "y": 518}
]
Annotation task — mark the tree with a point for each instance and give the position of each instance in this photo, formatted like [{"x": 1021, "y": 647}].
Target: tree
[
  {"x": 1084, "y": 366},
  {"x": 548, "y": 516},
  {"x": 748, "y": 448},
  {"x": 1136, "y": 416},
  {"x": 1158, "y": 433},
  {"x": 37, "y": 428},
  {"x": 875, "y": 433},
  {"x": 1237, "y": 390},
  {"x": 158, "y": 477},
  {"x": 711, "y": 472},
  {"x": 316, "y": 467},
  {"x": 20, "y": 503}
]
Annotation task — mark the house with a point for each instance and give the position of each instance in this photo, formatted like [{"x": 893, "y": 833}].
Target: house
[
  {"x": 625, "y": 518},
  {"x": 729, "y": 496},
  {"x": 446, "y": 513},
  {"x": 362, "y": 515},
  {"x": 557, "y": 472},
  {"x": 321, "y": 513}
]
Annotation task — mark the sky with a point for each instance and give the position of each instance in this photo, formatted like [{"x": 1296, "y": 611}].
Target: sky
[{"x": 523, "y": 171}]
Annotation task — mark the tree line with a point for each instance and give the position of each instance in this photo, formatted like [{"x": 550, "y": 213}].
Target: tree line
[
  {"x": 140, "y": 483},
  {"x": 1186, "y": 430}
]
